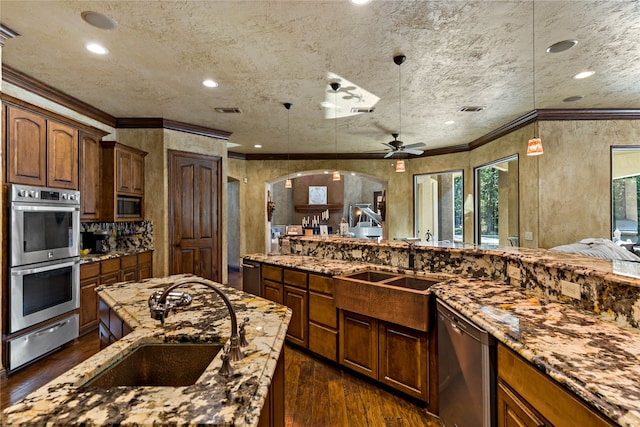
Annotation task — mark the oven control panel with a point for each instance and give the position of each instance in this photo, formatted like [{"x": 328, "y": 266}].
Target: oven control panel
[{"x": 31, "y": 194}]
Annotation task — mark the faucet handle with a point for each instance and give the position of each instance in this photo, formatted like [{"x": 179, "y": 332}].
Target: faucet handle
[
  {"x": 225, "y": 370},
  {"x": 243, "y": 333}
]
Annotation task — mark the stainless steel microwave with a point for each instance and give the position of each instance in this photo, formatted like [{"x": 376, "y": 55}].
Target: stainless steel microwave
[{"x": 129, "y": 207}]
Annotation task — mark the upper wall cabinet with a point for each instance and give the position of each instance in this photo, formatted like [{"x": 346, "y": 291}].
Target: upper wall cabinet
[
  {"x": 40, "y": 151},
  {"x": 123, "y": 182},
  {"x": 90, "y": 180}
]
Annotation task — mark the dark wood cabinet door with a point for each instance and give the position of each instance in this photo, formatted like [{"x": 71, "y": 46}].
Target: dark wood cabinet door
[
  {"x": 512, "y": 412},
  {"x": 359, "y": 343},
  {"x": 137, "y": 174},
  {"x": 296, "y": 300},
  {"x": 90, "y": 180},
  {"x": 404, "y": 360},
  {"x": 272, "y": 291},
  {"x": 123, "y": 171},
  {"x": 26, "y": 147},
  {"x": 89, "y": 280},
  {"x": 195, "y": 230},
  {"x": 62, "y": 156}
]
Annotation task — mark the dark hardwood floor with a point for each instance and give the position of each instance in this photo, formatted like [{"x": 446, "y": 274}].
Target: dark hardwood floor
[{"x": 317, "y": 394}]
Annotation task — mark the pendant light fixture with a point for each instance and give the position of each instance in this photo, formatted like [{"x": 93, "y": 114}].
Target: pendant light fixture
[
  {"x": 336, "y": 87},
  {"x": 399, "y": 60},
  {"x": 534, "y": 146},
  {"x": 288, "y": 105}
]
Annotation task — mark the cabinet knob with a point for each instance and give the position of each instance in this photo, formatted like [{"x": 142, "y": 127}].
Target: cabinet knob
[{"x": 176, "y": 245}]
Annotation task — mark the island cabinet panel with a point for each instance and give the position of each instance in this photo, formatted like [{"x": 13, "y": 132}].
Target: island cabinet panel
[
  {"x": 112, "y": 327},
  {"x": 89, "y": 280},
  {"x": 359, "y": 343},
  {"x": 531, "y": 396},
  {"x": 404, "y": 359},
  {"x": 272, "y": 414},
  {"x": 323, "y": 317}
]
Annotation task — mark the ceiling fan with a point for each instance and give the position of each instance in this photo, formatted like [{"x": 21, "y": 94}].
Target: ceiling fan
[{"x": 398, "y": 147}]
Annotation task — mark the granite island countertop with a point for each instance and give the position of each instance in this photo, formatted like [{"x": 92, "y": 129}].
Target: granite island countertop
[
  {"x": 212, "y": 400},
  {"x": 589, "y": 354}
]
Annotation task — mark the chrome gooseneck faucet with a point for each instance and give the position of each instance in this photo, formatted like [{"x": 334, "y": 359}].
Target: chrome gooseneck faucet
[{"x": 160, "y": 306}]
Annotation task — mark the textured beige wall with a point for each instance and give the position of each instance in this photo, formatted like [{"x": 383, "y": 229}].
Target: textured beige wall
[{"x": 157, "y": 142}]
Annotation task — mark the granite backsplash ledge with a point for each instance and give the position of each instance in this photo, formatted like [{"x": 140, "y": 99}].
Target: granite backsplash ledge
[
  {"x": 612, "y": 296},
  {"x": 134, "y": 236}
]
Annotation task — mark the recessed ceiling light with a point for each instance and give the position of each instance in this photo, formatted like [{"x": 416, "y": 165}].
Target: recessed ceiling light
[
  {"x": 562, "y": 46},
  {"x": 96, "y": 48},
  {"x": 584, "y": 75},
  {"x": 353, "y": 174},
  {"x": 449, "y": 122},
  {"x": 298, "y": 174},
  {"x": 258, "y": 146},
  {"x": 359, "y": 2},
  {"x": 573, "y": 98},
  {"x": 326, "y": 172},
  {"x": 98, "y": 20},
  {"x": 210, "y": 83}
]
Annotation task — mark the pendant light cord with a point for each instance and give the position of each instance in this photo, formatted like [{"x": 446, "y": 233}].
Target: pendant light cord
[{"x": 533, "y": 41}]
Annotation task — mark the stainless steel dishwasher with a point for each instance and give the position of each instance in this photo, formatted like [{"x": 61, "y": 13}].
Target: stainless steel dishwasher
[
  {"x": 251, "y": 277},
  {"x": 466, "y": 371}
]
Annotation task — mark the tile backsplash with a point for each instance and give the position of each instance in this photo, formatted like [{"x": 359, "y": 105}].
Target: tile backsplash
[{"x": 124, "y": 236}]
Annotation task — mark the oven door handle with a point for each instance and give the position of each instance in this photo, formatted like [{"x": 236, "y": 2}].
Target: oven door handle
[
  {"x": 45, "y": 208},
  {"x": 53, "y": 328},
  {"x": 55, "y": 266}
]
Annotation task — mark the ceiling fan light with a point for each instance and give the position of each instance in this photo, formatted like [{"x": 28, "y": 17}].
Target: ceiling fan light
[
  {"x": 534, "y": 147},
  {"x": 336, "y": 176},
  {"x": 400, "y": 166}
]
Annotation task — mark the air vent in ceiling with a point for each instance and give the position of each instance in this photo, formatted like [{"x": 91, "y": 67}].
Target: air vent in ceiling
[
  {"x": 362, "y": 109},
  {"x": 228, "y": 110},
  {"x": 471, "y": 108}
]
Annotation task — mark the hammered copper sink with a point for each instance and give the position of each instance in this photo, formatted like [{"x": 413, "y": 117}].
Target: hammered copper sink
[
  {"x": 172, "y": 365},
  {"x": 398, "y": 298}
]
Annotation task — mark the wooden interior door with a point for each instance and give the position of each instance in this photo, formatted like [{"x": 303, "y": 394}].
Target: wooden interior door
[{"x": 195, "y": 232}]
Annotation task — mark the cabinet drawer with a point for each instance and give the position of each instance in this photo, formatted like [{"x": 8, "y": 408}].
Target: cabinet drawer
[
  {"x": 91, "y": 269},
  {"x": 323, "y": 341},
  {"x": 145, "y": 257},
  {"x": 110, "y": 265},
  {"x": 128, "y": 261},
  {"x": 295, "y": 278},
  {"x": 323, "y": 284},
  {"x": 322, "y": 309},
  {"x": 272, "y": 273}
]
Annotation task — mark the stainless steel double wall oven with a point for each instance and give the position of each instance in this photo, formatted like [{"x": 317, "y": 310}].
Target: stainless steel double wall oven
[{"x": 44, "y": 277}]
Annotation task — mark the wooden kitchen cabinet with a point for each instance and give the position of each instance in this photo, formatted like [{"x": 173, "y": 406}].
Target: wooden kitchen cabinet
[
  {"x": 359, "y": 343},
  {"x": 323, "y": 317},
  {"x": 90, "y": 176},
  {"x": 129, "y": 268},
  {"x": 89, "y": 280},
  {"x": 145, "y": 265},
  {"x": 272, "y": 414},
  {"x": 295, "y": 296},
  {"x": 272, "y": 287},
  {"x": 112, "y": 327},
  {"x": 403, "y": 359},
  {"x": 110, "y": 271},
  {"x": 391, "y": 354},
  {"x": 62, "y": 155},
  {"x": 123, "y": 175},
  {"x": 528, "y": 397},
  {"x": 26, "y": 135}
]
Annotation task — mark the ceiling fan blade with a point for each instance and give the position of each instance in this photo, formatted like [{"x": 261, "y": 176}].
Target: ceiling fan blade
[
  {"x": 416, "y": 145},
  {"x": 388, "y": 145},
  {"x": 389, "y": 154},
  {"x": 414, "y": 152}
]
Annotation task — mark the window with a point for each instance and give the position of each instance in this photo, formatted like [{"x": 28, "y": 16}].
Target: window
[
  {"x": 497, "y": 213},
  {"x": 438, "y": 207},
  {"x": 625, "y": 193}
]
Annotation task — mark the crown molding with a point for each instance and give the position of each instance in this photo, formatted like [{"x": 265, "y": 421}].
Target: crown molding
[{"x": 160, "y": 123}]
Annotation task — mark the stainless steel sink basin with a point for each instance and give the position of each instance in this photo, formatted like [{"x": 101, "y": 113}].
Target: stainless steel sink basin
[
  {"x": 397, "y": 298},
  {"x": 175, "y": 365}
]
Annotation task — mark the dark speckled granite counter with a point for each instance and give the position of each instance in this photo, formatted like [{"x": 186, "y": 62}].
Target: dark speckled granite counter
[{"x": 213, "y": 400}]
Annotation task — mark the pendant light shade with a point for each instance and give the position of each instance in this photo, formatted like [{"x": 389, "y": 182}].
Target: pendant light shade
[
  {"x": 400, "y": 166},
  {"x": 288, "y": 106},
  {"x": 534, "y": 147},
  {"x": 336, "y": 87}
]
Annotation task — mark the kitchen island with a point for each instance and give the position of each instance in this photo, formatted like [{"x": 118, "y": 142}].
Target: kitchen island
[
  {"x": 213, "y": 400},
  {"x": 589, "y": 346}
]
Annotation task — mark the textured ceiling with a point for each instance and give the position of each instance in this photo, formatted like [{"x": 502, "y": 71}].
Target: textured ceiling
[{"x": 265, "y": 53}]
